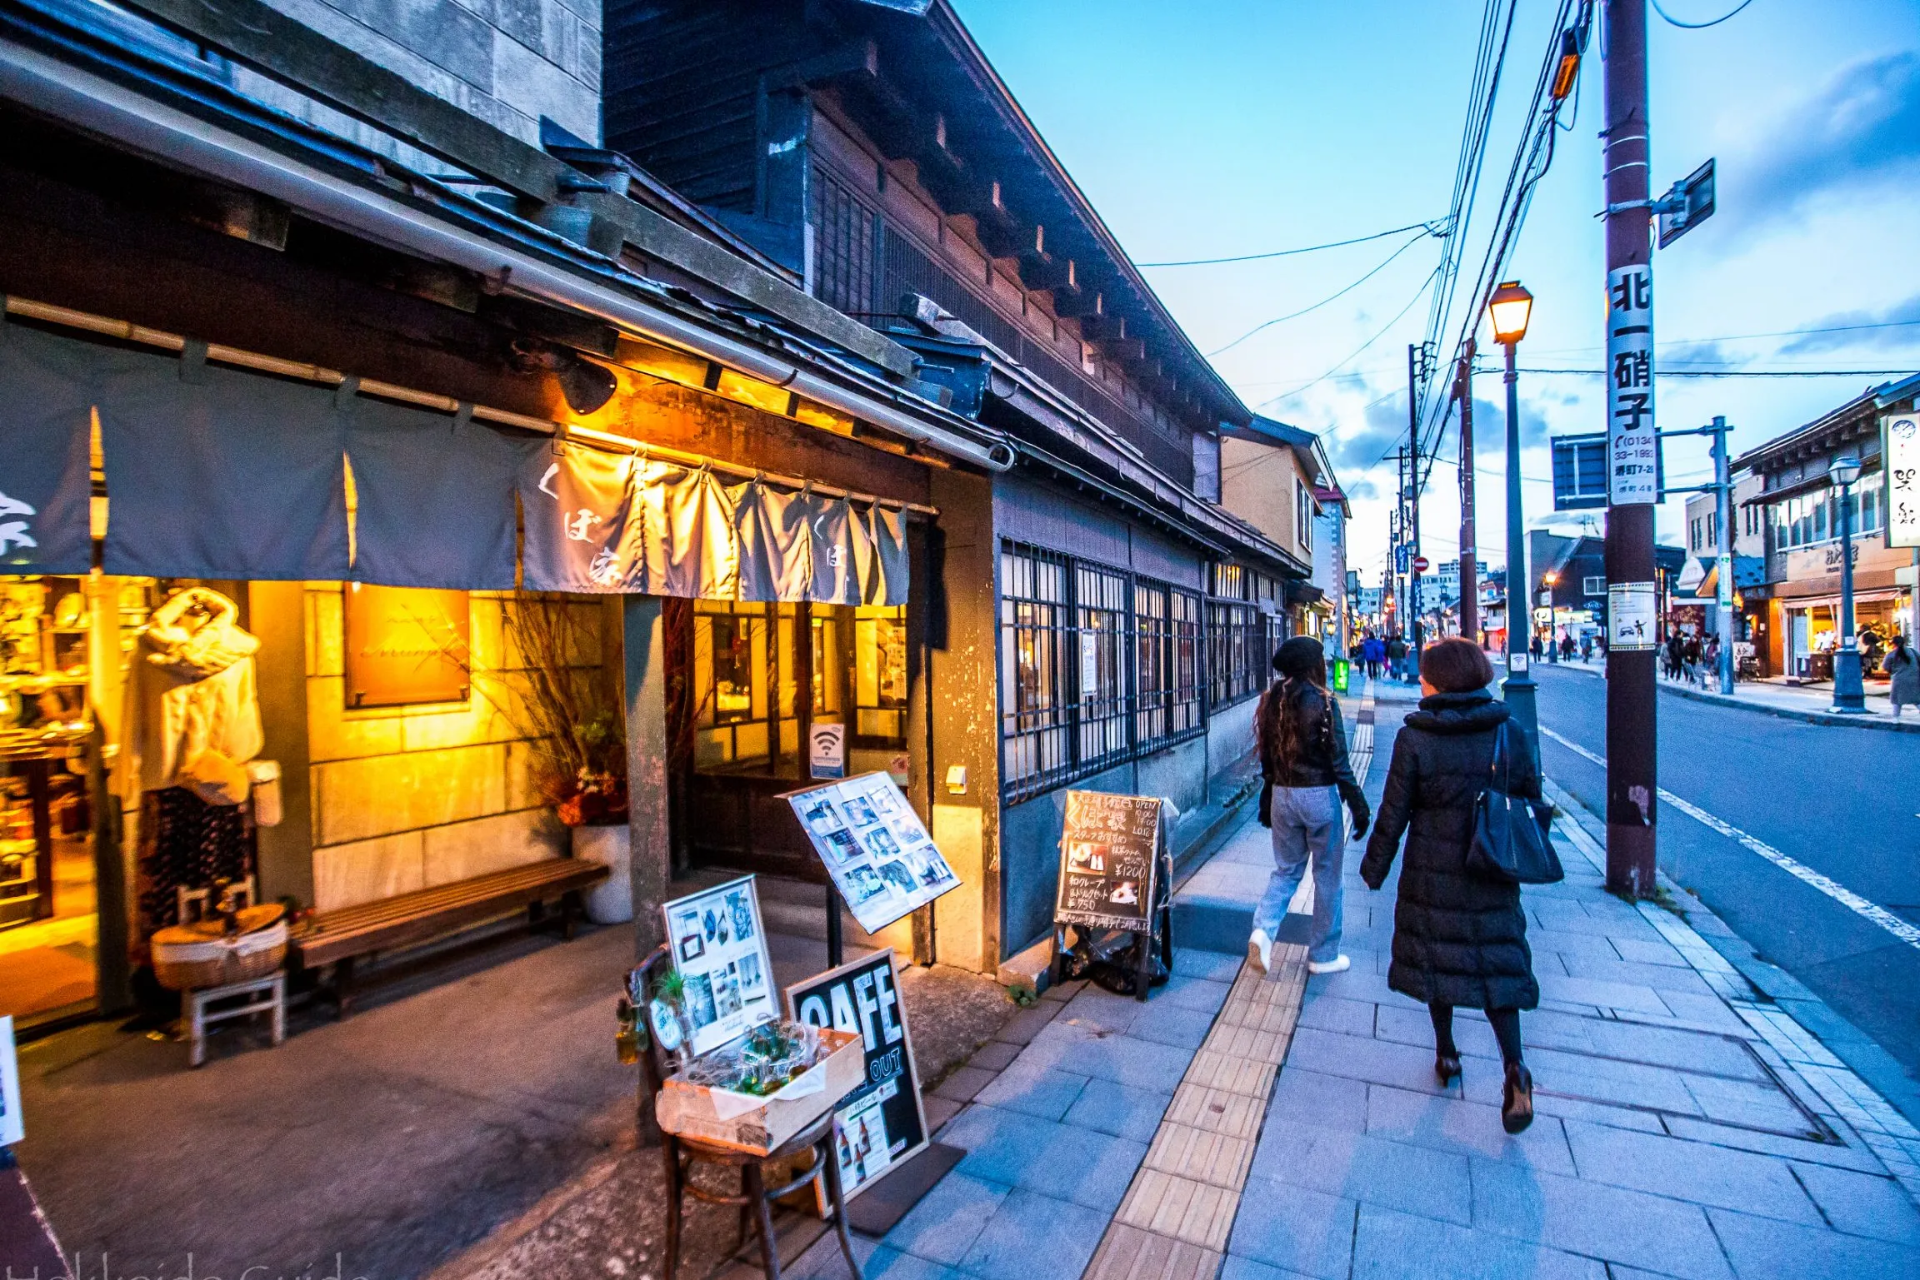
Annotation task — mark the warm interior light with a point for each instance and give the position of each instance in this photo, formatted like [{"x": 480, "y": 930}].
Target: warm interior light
[
  {"x": 1844, "y": 471},
  {"x": 1509, "y": 308}
]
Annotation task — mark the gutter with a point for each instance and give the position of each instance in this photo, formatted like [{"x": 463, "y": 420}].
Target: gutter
[{"x": 72, "y": 95}]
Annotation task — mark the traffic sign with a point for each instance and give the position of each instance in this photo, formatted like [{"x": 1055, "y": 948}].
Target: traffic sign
[
  {"x": 1421, "y": 564},
  {"x": 1686, "y": 205}
]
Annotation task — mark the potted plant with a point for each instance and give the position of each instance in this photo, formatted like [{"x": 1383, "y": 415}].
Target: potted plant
[{"x": 569, "y": 713}]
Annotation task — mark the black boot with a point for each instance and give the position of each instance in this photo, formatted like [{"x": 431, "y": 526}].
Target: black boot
[
  {"x": 1446, "y": 1065},
  {"x": 1516, "y": 1110}
]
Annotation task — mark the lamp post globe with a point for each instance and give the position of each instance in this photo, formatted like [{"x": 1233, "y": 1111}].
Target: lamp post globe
[
  {"x": 1509, "y": 308},
  {"x": 1849, "y": 690}
]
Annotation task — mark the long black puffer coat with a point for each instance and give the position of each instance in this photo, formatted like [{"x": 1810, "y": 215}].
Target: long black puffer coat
[{"x": 1457, "y": 939}]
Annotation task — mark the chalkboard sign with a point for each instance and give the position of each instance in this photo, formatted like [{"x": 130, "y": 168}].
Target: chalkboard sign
[
  {"x": 1109, "y": 861},
  {"x": 881, "y": 1123}
]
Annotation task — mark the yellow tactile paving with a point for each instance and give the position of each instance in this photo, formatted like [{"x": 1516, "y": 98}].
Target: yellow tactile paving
[
  {"x": 1204, "y": 1156},
  {"x": 1197, "y": 1107},
  {"x": 1235, "y": 1075},
  {"x": 1182, "y": 1208},
  {"x": 1128, "y": 1253}
]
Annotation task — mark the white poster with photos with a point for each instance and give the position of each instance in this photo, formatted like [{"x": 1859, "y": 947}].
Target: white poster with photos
[
  {"x": 874, "y": 846},
  {"x": 720, "y": 951}
]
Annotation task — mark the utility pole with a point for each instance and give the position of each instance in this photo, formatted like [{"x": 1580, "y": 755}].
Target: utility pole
[
  {"x": 1413, "y": 446},
  {"x": 1723, "y": 563},
  {"x": 1399, "y": 541},
  {"x": 1633, "y": 459},
  {"x": 1469, "y": 541}
]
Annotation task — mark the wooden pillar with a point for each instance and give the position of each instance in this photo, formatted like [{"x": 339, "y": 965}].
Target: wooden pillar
[{"x": 645, "y": 671}]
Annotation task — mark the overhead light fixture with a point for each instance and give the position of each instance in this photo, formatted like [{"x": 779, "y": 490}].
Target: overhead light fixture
[
  {"x": 586, "y": 385},
  {"x": 1510, "y": 308}
]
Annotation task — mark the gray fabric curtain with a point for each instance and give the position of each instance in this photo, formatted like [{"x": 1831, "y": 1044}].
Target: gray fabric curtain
[
  {"x": 232, "y": 475},
  {"x": 575, "y": 505},
  {"x": 599, "y": 522},
  {"x": 435, "y": 498},
  {"x": 690, "y": 546},
  {"x": 885, "y": 582},
  {"x": 46, "y": 416}
]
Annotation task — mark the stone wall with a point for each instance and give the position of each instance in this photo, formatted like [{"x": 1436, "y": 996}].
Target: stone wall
[
  {"x": 507, "y": 61},
  {"x": 406, "y": 798}
]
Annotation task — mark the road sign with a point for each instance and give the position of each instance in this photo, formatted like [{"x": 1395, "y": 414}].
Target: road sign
[
  {"x": 1579, "y": 471},
  {"x": 1400, "y": 558},
  {"x": 1900, "y": 446},
  {"x": 1633, "y": 472},
  {"x": 1686, "y": 205},
  {"x": 1421, "y": 564}
]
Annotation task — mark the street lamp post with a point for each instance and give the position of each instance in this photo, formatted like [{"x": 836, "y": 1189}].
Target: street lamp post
[
  {"x": 1849, "y": 695},
  {"x": 1510, "y": 307}
]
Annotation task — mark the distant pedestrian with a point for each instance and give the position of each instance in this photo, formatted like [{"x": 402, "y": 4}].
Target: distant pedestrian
[
  {"x": 1458, "y": 939},
  {"x": 1690, "y": 658},
  {"x": 1303, "y": 757},
  {"x": 1675, "y": 653},
  {"x": 1396, "y": 657},
  {"x": 1903, "y": 665},
  {"x": 1536, "y": 646},
  {"x": 1586, "y": 648},
  {"x": 1566, "y": 648}
]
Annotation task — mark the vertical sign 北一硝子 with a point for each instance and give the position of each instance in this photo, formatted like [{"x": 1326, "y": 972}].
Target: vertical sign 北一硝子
[
  {"x": 1632, "y": 446},
  {"x": 881, "y": 1123},
  {"x": 1109, "y": 855}
]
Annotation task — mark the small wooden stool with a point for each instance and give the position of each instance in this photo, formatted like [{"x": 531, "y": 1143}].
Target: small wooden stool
[{"x": 264, "y": 995}]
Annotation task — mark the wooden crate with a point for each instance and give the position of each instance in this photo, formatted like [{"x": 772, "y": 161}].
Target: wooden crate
[{"x": 762, "y": 1125}]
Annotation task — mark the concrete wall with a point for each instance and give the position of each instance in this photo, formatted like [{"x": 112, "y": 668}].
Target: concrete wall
[
  {"x": 404, "y": 798},
  {"x": 507, "y": 61}
]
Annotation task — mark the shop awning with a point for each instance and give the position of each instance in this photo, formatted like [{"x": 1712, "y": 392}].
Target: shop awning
[{"x": 214, "y": 472}]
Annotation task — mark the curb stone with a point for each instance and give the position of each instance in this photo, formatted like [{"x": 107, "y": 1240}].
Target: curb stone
[{"x": 1860, "y": 1082}]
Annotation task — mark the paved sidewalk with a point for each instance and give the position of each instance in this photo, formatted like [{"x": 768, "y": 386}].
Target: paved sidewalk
[{"x": 1687, "y": 1126}]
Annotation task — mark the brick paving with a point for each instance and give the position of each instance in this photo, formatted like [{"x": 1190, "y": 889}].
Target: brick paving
[{"x": 1687, "y": 1124}]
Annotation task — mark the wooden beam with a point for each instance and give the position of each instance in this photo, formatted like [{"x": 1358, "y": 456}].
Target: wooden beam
[
  {"x": 1103, "y": 327},
  {"x": 305, "y": 60}
]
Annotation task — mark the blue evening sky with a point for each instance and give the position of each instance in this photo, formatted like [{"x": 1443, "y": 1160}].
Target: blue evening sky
[{"x": 1217, "y": 127}]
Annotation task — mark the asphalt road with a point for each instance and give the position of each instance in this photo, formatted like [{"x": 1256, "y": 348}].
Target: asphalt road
[{"x": 1844, "y": 802}]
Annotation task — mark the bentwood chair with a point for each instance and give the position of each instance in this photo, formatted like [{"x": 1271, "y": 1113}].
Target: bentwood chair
[{"x": 756, "y": 1198}]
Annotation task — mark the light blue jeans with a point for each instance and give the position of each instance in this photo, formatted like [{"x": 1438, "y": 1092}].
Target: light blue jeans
[{"x": 1307, "y": 822}]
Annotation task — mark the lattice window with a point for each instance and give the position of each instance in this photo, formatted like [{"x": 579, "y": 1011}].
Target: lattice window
[
  {"x": 1166, "y": 665},
  {"x": 1035, "y": 630},
  {"x": 1103, "y": 691},
  {"x": 843, "y": 247},
  {"x": 1236, "y": 634}
]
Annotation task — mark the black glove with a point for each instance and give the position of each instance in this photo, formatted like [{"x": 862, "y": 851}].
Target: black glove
[
  {"x": 1266, "y": 804},
  {"x": 1356, "y": 803}
]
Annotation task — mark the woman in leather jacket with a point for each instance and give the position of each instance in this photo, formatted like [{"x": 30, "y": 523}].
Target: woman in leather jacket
[{"x": 1303, "y": 758}]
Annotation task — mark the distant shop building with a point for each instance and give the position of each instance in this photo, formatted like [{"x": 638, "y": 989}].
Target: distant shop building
[{"x": 1795, "y": 608}]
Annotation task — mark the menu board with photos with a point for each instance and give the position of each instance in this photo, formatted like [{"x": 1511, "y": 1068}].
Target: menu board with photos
[
  {"x": 873, "y": 844},
  {"x": 1109, "y": 860},
  {"x": 720, "y": 950},
  {"x": 881, "y": 1123}
]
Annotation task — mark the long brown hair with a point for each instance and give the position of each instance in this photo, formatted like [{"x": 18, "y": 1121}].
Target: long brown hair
[{"x": 1302, "y": 667}]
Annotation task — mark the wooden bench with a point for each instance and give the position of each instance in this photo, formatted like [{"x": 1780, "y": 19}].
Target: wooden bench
[{"x": 343, "y": 935}]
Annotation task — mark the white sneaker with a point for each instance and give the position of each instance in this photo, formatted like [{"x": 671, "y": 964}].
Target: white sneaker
[
  {"x": 1339, "y": 964},
  {"x": 1259, "y": 950}
]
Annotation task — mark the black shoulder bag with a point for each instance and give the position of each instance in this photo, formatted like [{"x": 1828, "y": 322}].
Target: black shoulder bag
[{"x": 1510, "y": 841}]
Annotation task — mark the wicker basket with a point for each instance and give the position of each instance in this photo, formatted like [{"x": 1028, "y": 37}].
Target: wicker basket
[{"x": 192, "y": 957}]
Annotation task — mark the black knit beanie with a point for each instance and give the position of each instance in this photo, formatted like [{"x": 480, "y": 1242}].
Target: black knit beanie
[{"x": 1301, "y": 658}]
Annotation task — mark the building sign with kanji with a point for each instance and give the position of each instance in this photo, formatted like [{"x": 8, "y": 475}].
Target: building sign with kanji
[
  {"x": 1633, "y": 464},
  {"x": 1900, "y": 453}
]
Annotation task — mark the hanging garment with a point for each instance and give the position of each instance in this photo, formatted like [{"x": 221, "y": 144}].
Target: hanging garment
[{"x": 190, "y": 691}]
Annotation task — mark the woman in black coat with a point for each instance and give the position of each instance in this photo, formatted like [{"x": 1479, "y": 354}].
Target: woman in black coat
[{"x": 1458, "y": 939}]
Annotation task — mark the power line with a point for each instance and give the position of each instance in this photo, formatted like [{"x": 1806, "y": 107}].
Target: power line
[
  {"x": 1323, "y": 302},
  {"x": 1733, "y": 373},
  {"x": 1427, "y": 227},
  {"x": 1738, "y": 337},
  {"x": 1698, "y": 26},
  {"x": 1355, "y": 352}
]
